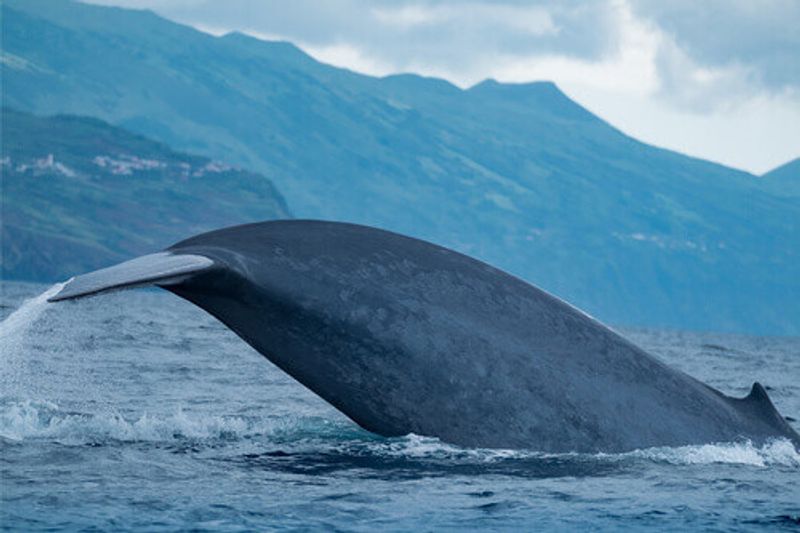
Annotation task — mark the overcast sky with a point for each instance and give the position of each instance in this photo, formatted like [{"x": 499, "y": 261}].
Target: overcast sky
[{"x": 719, "y": 79}]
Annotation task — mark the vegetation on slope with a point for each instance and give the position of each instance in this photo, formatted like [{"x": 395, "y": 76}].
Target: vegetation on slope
[{"x": 79, "y": 194}]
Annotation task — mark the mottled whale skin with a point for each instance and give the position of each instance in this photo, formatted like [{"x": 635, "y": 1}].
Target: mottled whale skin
[{"x": 404, "y": 336}]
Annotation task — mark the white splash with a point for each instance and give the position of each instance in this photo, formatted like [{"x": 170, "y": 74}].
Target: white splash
[
  {"x": 774, "y": 452},
  {"x": 13, "y": 335},
  {"x": 420, "y": 447},
  {"x": 14, "y": 327},
  {"x": 24, "y": 420}
]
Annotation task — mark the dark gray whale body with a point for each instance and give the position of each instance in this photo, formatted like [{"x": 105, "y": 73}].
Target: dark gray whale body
[{"x": 404, "y": 336}]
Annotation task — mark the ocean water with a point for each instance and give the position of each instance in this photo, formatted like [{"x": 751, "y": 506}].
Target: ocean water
[{"x": 137, "y": 411}]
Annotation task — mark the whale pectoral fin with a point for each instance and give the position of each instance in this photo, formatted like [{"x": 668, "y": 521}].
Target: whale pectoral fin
[{"x": 163, "y": 268}]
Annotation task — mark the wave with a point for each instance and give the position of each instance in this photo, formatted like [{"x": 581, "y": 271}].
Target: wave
[
  {"x": 28, "y": 420},
  {"x": 42, "y": 420},
  {"x": 774, "y": 452}
]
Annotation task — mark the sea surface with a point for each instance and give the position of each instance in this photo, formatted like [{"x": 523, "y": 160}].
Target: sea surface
[{"x": 137, "y": 411}]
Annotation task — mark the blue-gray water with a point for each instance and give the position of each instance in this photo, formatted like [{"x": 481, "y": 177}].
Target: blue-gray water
[{"x": 138, "y": 411}]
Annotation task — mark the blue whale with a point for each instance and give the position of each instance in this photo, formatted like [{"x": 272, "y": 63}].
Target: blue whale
[{"x": 404, "y": 336}]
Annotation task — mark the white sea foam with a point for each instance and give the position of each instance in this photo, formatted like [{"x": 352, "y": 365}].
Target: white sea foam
[
  {"x": 774, "y": 452},
  {"x": 35, "y": 420},
  {"x": 44, "y": 420},
  {"x": 420, "y": 447}
]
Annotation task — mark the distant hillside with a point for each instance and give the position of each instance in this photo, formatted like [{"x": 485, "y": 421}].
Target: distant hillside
[
  {"x": 784, "y": 180},
  {"x": 79, "y": 194},
  {"x": 518, "y": 175}
]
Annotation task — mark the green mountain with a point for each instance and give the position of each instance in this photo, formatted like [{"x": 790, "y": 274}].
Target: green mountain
[
  {"x": 784, "y": 180},
  {"x": 518, "y": 175},
  {"x": 80, "y": 194}
]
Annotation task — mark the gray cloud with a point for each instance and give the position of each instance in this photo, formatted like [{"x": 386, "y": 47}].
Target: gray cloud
[{"x": 761, "y": 38}]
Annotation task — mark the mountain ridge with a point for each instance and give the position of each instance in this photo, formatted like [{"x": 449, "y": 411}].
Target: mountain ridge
[{"x": 520, "y": 175}]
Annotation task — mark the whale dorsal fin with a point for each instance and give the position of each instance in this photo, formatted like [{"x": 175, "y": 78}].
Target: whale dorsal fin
[
  {"x": 163, "y": 268},
  {"x": 758, "y": 396},
  {"x": 758, "y": 402},
  {"x": 759, "y": 405}
]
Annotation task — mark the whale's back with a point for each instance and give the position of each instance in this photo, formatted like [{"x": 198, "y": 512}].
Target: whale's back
[{"x": 405, "y": 336}]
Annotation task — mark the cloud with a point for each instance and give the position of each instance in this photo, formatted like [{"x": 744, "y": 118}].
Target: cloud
[{"x": 761, "y": 39}]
